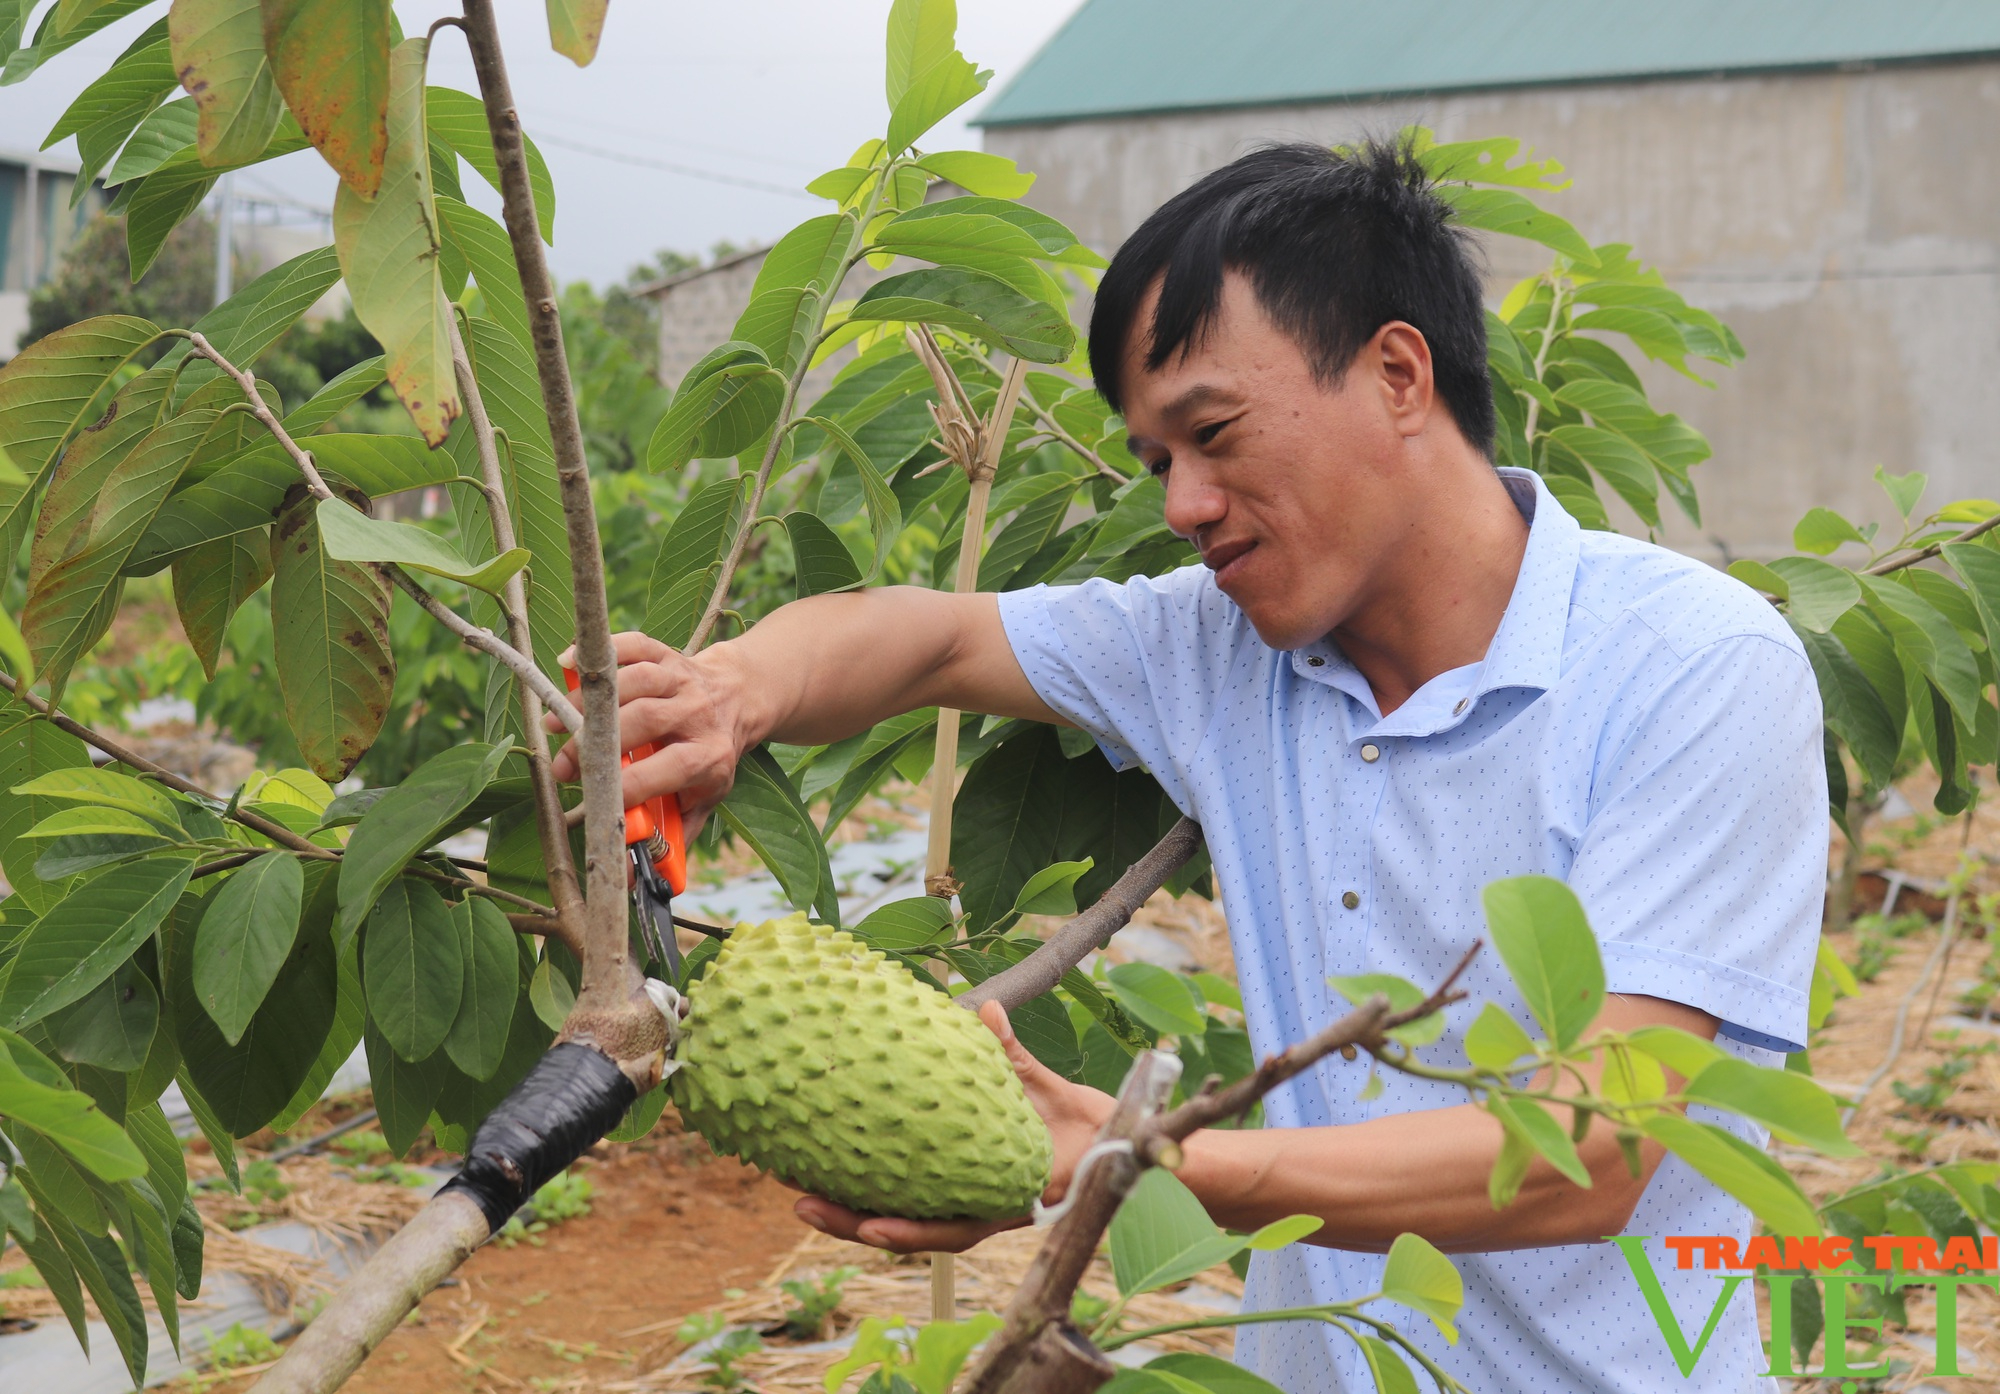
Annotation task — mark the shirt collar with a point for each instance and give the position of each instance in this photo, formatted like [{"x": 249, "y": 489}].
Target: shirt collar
[{"x": 1526, "y": 651}]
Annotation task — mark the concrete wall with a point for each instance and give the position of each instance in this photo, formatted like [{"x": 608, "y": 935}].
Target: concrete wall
[{"x": 1846, "y": 225}]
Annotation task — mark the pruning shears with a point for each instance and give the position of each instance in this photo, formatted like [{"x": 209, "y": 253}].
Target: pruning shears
[{"x": 658, "y": 848}]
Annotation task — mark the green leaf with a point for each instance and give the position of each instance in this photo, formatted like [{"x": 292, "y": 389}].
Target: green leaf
[
  {"x": 29, "y": 749},
  {"x": 956, "y": 298},
  {"x": 1816, "y": 593},
  {"x": 551, "y": 995},
  {"x": 79, "y": 942},
  {"x": 1422, "y": 1279},
  {"x": 1539, "y": 1129},
  {"x": 330, "y": 634},
  {"x": 725, "y": 403},
  {"x": 490, "y": 256},
  {"x": 105, "y": 113},
  {"x": 1927, "y": 641},
  {"x": 1789, "y": 1104},
  {"x": 1495, "y": 1041},
  {"x": 412, "y": 967},
  {"x": 388, "y": 249},
  {"x": 990, "y": 225},
  {"x": 1516, "y": 215},
  {"x": 1206, "y": 1372},
  {"x": 821, "y": 560},
  {"x": 1402, "y": 994},
  {"x": 458, "y": 121},
  {"x": 693, "y": 543},
  {"x": 921, "y": 33},
  {"x": 71, "y": 603},
  {"x": 477, "y": 1040},
  {"x": 211, "y": 582},
  {"x": 104, "y": 789},
  {"x": 914, "y": 923},
  {"x": 330, "y": 59},
  {"x": 1052, "y": 890},
  {"x": 351, "y": 535},
  {"x": 337, "y": 396},
  {"x": 1162, "y": 1236},
  {"x": 978, "y": 172},
  {"x": 405, "y": 1092},
  {"x": 1821, "y": 530},
  {"x": 406, "y": 820},
  {"x": 1686, "y": 1054},
  {"x": 67, "y": 1117},
  {"x": 1540, "y": 931},
  {"x": 218, "y": 50},
  {"x": 1903, "y": 489},
  {"x": 246, "y": 934},
  {"x": 575, "y": 26},
  {"x": 248, "y": 492},
  {"x": 46, "y": 394},
  {"x": 1621, "y": 464},
  {"x": 245, "y": 1085},
  {"x": 1744, "y": 1171},
  {"x": 162, "y": 134},
  {"x": 14, "y": 651},
  {"x": 794, "y": 280},
  {"x": 1853, "y": 708},
  {"x": 112, "y": 1026},
  {"x": 1979, "y": 568},
  {"x": 1874, "y": 653},
  {"x": 885, "y": 515},
  {"x": 1386, "y": 1365},
  {"x": 764, "y": 810},
  {"x": 1158, "y": 998},
  {"x": 933, "y": 93}
]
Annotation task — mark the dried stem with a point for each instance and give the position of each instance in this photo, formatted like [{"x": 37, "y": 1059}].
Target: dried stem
[
  {"x": 1091, "y": 930},
  {"x": 1054, "y": 428},
  {"x": 612, "y": 1005},
  {"x": 1041, "y": 1304},
  {"x": 563, "y": 887},
  {"x": 522, "y": 665}
]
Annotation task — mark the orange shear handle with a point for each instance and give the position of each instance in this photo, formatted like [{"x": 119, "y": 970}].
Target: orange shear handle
[{"x": 658, "y": 817}]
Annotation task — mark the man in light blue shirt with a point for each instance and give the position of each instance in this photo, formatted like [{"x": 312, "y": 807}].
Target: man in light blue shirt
[{"x": 1399, "y": 675}]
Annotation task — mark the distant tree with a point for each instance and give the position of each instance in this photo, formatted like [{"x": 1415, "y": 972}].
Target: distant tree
[{"x": 93, "y": 280}]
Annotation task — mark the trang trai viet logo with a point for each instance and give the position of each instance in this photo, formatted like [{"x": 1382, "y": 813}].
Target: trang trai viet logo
[{"x": 1885, "y": 1263}]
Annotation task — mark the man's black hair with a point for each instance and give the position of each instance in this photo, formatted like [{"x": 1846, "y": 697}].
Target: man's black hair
[{"x": 1336, "y": 243}]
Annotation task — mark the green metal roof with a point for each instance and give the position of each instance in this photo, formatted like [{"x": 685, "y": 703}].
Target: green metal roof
[{"x": 1118, "y": 57}]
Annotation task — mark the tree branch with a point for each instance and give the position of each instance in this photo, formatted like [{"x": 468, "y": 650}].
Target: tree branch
[
  {"x": 549, "y": 825},
  {"x": 612, "y": 1010},
  {"x": 1055, "y": 428},
  {"x": 522, "y": 665},
  {"x": 719, "y": 596},
  {"x": 1924, "y": 554},
  {"x": 1091, "y": 930}
]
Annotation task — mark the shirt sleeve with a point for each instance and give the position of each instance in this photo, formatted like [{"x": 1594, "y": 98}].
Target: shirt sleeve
[
  {"x": 1139, "y": 666},
  {"x": 1703, "y": 866}
]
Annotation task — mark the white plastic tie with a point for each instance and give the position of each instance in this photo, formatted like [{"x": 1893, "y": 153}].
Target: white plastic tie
[
  {"x": 1046, "y": 1215},
  {"x": 672, "y": 1006}
]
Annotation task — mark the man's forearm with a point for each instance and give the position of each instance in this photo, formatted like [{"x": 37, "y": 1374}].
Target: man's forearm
[
  {"x": 1423, "y": 1173},
  {"x": 830, "y": 666}
]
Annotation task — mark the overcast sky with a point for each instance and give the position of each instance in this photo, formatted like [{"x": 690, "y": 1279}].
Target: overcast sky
[{"x": 770, "y": 92}]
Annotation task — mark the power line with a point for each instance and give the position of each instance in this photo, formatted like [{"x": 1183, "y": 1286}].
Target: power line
[{"x": 689, "y": 171}]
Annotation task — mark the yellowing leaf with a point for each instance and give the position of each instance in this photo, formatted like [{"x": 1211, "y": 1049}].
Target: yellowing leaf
[
  {"x": 389, "y": 251},
  {"x": 330, "y": 58},
  {"x": 575, "y": 26},
  {"x": 218, "y": 53}
]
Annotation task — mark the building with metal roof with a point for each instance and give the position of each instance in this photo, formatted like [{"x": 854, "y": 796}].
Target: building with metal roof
[{"x": 1821, "y": 173}]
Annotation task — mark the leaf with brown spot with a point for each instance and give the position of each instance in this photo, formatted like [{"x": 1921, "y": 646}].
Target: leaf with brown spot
[
  {"x": 211, "y": 582},
  {"x": 389, "y": 253},
  {"x": 218, "y": 54},
  {"x": 330, "y": 633},
  {"x": 575, "y": 26},
  {"x": 331, "y": 61}
]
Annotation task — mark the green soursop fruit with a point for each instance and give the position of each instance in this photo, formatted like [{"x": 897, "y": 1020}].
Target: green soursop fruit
[{"x": 824, "y": 1062}]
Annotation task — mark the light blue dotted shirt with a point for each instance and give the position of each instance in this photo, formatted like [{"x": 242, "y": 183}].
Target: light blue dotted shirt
[{"x": 1642, "y": 726}]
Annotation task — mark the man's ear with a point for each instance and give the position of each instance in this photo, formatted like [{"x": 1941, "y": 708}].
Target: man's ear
[{"x": 1401, "y": 359}]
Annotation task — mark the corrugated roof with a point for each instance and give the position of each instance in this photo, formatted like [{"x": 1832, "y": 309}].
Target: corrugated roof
[{"x": 1118, "y": 57}]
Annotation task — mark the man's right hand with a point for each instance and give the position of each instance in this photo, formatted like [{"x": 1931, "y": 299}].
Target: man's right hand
[{"x": 682, "y": 705}]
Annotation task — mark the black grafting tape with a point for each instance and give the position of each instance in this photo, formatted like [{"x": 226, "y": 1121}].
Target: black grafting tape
[{"x": 572, "y": 1097}]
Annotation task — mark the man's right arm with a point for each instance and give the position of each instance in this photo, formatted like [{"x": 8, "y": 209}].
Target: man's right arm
[{"x": 815, "y": 671}]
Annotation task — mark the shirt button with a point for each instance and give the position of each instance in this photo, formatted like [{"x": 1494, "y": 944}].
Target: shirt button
[
  {"x": 1371, "y": 753},
  {"x": 1459, "y": 707},
  {"x": 1316, "y": 662},
  {"x": 1350, "y": 900}
]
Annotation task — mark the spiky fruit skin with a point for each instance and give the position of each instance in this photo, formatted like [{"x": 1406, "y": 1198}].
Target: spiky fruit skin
[{"x": 824, "y": 1062}]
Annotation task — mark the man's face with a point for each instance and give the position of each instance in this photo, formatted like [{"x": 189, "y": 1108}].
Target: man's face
[{"x": 1293, "y": 490}]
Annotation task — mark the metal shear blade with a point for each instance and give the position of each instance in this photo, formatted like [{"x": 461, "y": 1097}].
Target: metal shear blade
[{"x": 653, "y": 901}]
